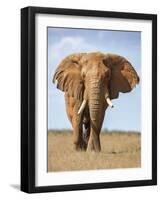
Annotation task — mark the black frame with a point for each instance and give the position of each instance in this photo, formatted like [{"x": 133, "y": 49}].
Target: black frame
[{"x": 28, "y": 98}]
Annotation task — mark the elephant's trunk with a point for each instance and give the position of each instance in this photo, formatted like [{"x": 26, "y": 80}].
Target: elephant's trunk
[{"x": 95, "y": 103}]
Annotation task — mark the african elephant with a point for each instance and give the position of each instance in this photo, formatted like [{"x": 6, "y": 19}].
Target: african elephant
[{"x": 90, "y": 81}]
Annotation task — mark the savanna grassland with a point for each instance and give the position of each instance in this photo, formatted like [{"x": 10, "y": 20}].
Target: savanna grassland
[{"x": 119, "y": 150}]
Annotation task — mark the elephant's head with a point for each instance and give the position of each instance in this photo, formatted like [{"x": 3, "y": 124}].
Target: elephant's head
[{"x": 95, "y": 78}]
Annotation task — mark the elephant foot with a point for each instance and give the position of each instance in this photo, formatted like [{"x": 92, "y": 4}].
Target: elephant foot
[
  {"x": 91, "y": 149},
  {"x": 93, "y": 146},
  {"x": 81, "y": 146},
  {"x": 90, "y": 146}
]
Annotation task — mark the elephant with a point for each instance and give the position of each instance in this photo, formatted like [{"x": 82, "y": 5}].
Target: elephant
[{"x": 90, "y": 81}]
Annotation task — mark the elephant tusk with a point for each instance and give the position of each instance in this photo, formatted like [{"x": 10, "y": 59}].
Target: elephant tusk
[
  {"x": 109, "y": 102},
  {"x": 82, "y": 106}
]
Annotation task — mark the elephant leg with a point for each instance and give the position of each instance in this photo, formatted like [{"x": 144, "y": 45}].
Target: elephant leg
[
  {"x": 94, "y": 143},
  {"x": 86, "y": 133},
  {"x": 90, "y": 146},
  {"x": 72, "y": 107},
  {"x": 79, "y": 143}
]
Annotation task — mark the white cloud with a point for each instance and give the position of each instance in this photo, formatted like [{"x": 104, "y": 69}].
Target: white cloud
[
  {"x": 65, "y": 41},
  {"x": 68, "y": 45}
]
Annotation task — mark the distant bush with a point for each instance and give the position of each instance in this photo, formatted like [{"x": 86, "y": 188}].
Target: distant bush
[
  {"x": 55, "y": 131},
  {"x": 105, "y": 131}
]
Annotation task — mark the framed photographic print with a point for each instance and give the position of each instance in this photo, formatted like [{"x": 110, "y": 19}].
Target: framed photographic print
[{"x": 88, "y": 99}]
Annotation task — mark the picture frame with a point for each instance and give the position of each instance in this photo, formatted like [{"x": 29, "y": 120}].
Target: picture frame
[{"x": 30, "y": 111}]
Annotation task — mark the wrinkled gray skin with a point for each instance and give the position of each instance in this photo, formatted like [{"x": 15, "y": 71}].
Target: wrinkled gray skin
[{"x": 92, "y": 77}]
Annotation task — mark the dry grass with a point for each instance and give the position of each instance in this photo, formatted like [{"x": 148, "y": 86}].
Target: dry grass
[{"x": 119, "y": 150}]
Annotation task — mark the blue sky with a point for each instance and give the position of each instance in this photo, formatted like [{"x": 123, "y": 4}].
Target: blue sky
[{"x": 126, "y": 115}]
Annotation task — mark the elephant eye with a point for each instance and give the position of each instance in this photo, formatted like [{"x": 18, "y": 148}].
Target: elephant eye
[
  {"x": 104, "y": 62},
  {"x": 75, "y": 62},
  {"x": 83, "y": 75},
  {"x": 108, "y": 74}
]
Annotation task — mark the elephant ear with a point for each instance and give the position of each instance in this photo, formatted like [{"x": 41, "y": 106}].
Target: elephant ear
[
  {"x": 68, "y": 76},
  {"x": 123, "y": 76}
]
